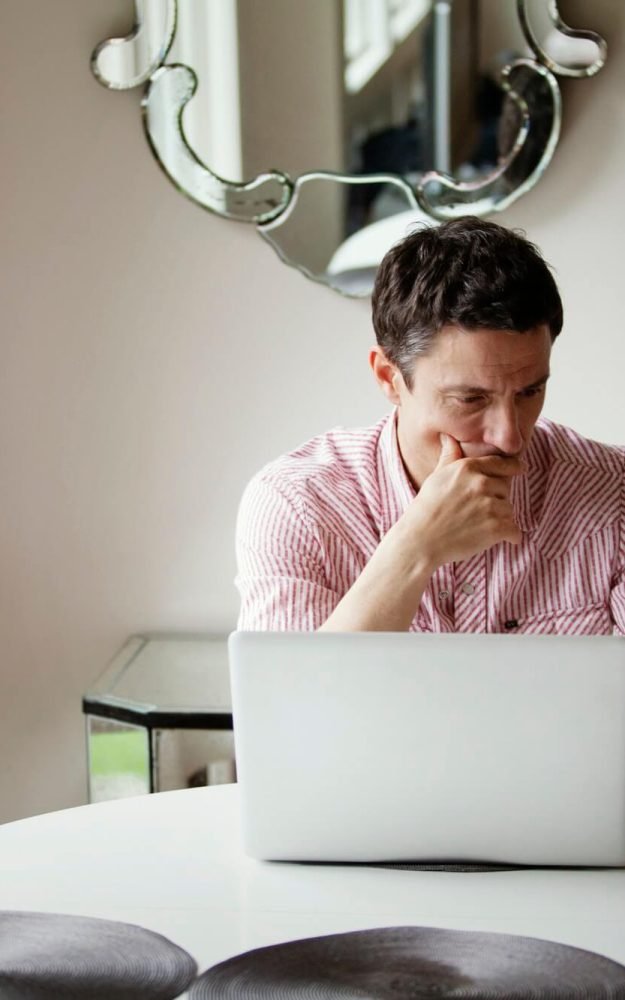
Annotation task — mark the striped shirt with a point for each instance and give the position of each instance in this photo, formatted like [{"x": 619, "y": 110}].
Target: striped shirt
[{"x": 309, "y": 522}]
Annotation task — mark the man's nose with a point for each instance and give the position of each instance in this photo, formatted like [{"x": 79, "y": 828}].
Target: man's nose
[{"x": 504, "y": 432}]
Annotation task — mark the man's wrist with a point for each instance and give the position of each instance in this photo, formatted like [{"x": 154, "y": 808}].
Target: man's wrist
[{"x": 416, "y": 556}]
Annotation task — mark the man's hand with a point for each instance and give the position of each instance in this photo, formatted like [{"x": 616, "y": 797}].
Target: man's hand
[{"x": 463, "y": 506}]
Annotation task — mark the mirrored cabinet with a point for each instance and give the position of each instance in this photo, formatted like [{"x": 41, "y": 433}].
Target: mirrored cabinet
[{"x": 159, "y": 718}]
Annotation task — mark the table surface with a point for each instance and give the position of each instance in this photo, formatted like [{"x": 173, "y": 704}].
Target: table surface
[{"x": 173, "y": 863}]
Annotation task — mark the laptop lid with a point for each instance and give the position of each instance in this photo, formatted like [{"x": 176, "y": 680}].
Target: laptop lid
[{"x": 435, "y": 748}]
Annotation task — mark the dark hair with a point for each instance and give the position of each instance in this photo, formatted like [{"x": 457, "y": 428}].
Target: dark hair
[{"x": 467, "y": 272}]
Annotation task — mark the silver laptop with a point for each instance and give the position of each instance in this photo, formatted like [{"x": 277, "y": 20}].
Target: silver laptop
[{"x": 402, "y": 747}]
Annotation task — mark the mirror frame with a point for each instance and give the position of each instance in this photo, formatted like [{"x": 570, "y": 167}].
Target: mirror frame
[{"x": 272, "y": 196}]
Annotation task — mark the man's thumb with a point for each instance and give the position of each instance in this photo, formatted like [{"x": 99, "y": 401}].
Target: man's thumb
[{"x": 450, "y": 450}]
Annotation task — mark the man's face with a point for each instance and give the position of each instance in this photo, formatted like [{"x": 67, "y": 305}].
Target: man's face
[{"x": 485, "y": 388}]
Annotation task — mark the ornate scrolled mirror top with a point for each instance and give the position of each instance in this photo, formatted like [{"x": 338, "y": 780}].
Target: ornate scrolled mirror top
[{"x": 334, "y": 125}]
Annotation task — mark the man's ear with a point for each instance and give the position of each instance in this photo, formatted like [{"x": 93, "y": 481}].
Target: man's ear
[{"x": 387, "y": 375}]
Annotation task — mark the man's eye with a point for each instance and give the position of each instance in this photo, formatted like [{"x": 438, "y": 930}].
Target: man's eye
[
  {"x": 528, "y": 393},
  {"x": 468, "y": 400}
]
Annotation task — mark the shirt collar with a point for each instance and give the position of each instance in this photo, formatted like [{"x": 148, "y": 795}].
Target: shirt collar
[
  {"x": 520, "y": 498},
  {"x": 526, "y": 490},
  {"x": 396, "y": 490}
]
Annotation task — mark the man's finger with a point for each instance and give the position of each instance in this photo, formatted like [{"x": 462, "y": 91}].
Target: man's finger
[
  {"x": 450, "y": 450},
  {"x": 496, "y": 465}
]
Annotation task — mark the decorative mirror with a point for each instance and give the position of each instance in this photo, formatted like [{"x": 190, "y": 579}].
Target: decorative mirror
[{"x": 333, "y": 126}]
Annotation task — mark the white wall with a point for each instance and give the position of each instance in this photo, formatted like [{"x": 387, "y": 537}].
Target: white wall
[
  {"x": 154, "y": 356},
  {"x": 577, "y": 215}
]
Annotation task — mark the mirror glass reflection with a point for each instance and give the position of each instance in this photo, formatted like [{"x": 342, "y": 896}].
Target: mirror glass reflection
[
  {"x": 355, "y": 87},
  {"x": 337, "y": 125},
  {"x": 339, "y": 85}
]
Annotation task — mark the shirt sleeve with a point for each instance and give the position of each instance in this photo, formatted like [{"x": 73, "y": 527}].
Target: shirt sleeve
[
  {"x": 280, "y": 574},
  {"x": 617, "y": 594}
]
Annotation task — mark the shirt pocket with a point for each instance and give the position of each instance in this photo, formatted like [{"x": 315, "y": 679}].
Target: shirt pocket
[{"x": 591, "y": 619}]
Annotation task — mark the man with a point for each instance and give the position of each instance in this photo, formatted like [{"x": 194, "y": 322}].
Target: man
[{"x": 460, "y": 511}]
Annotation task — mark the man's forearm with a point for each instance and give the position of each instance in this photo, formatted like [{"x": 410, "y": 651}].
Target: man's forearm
[{"x": 387, "y": 594}]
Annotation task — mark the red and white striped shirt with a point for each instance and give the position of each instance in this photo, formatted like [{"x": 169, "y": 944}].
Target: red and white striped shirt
[{"x": 309, "y": 522}]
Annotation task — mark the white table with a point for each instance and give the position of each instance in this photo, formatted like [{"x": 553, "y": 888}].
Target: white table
[{"x": 172, "y": 862}]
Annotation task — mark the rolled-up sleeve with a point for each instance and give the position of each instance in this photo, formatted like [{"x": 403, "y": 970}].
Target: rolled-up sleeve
[{"x": 280, "y": 574}]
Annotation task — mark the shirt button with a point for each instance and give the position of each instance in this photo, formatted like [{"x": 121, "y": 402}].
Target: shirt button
[
  {"x": 443, "y": 594},
  {"x": 467, "y": 588}
]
